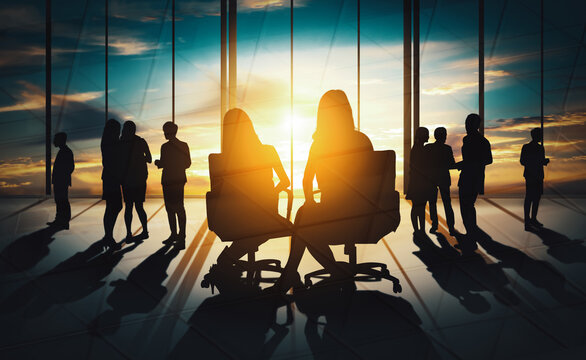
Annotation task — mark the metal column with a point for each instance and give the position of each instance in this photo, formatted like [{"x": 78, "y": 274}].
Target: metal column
[
  {"x": 481, "y": 64},
  {"x": 48, "y": 34},
  {"x": 406, "y": 91},
  {"x": 232, "y": 11}
]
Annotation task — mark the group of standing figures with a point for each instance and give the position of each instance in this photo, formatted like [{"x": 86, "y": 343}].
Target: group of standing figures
[
  {"x": 124, "y": 160},
  {"x": 125, "y": 157},
  {"x": 430, "y": 170}
]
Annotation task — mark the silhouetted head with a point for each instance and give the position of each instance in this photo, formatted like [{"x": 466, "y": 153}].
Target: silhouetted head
[
  {"x": 128, "y": 130},
  {"x": 238, "y": 132},
  {"x": 475, "y": 303},
  {"x": 421, "y": 135},
  {"x": 170, "y": 130},
  {"x": 472, "y": 123},
  {"x": 440, "y": 134},
  {"x": 60, "y": 139},
  {"x": 536, "y": 135},
  {"x": 334, "y": 115},
  {"x": 111, "y": 132}
]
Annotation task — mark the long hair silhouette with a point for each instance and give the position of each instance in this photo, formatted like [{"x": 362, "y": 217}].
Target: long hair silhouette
[
  {"x": 334, "y": 115},
  {"x": 111, "y": 133}
]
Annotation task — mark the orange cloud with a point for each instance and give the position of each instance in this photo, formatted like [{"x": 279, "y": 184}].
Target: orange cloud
[{"x": 33, "y": 98}]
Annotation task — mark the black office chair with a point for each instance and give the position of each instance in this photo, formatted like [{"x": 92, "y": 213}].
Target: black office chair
[
  {"x": 234, "y": 214},
  {"x": 368, "y": 210}
]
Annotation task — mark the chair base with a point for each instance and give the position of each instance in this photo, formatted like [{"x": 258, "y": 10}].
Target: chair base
[
  {"x": 369, "y": 271},
  {"x": 231, "y": 277}
]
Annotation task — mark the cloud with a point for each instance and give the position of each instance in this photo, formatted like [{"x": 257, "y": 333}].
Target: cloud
[
  {"x": 462, "y": 85},
  {"x": 524, "y": 124},
  {"x": 31, "y": 55},
  {"x": 32, "y": 97}
]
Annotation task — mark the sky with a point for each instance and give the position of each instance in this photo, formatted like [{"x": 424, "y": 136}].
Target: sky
[{"x": 324, "y": 58}]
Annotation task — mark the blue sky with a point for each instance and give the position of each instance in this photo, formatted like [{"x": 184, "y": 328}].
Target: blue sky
[{"x": 324, "y": 58}]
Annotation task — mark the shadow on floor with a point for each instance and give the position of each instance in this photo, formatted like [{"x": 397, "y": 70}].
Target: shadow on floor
[
  {"x": 362, "y": 324},
  {"x": 235, "y": 324},
  {"x": 27, "y": 251},
  {"x": 70, "y": 281},
  {"x": 141, "y": 292},
  {"x": 561, "y": 247}
]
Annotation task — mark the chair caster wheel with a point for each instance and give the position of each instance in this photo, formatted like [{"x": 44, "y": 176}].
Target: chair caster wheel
[
  {"x": 397, "y": 288},
  {"x": 205, "y": 283},
  {"x": 308, "y": 282}
]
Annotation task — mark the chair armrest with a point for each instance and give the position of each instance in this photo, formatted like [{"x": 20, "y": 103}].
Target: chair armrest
[{"x": 289, "y": 202}]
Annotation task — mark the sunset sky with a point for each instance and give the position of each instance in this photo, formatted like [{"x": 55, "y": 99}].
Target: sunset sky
[{"x": 324, "y": 58}]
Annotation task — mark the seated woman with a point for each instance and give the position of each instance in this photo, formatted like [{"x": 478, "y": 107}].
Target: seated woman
[
  {"x": 243, "y": 181},
  {"x": 334, "y": 136}
]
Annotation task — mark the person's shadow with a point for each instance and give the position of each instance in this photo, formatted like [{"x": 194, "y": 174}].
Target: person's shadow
[
  {"x": 539, "y": 273},
  {"x": 27, "y": 251},
  {"x": 235, "y": 324},
  {"x": 69, "y": 281},
  {"x": 464, "y": 277},
  {"x": 561, "y": 247},
  {"x": 141, "y": 292},
  {"x": 361, "y": 324}
]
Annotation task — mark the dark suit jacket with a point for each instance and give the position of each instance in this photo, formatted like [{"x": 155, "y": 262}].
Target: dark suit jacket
[
  {"x": 533, "y": 159},
  {"x": 175, "y": 158},
  {"x": 476, "y": 154},
  {"x": 63, "y": 167},
  {"x": 441, "y": 160}
]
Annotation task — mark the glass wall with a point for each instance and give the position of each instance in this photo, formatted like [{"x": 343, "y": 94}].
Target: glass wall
[
  {"x": 324, "y": 57},
  {"x": 22, "y": 98}
]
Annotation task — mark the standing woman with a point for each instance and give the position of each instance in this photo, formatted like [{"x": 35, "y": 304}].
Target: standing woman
[
  {"x": 110, "y": 179},
  {"x": 334, "y": 136},
  {"x": 135, "y": 155},
  {"x": 420, "y": 186}
]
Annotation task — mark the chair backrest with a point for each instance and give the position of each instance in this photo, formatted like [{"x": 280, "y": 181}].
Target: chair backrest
[
  {"x": 360, "y": 189},
  {"x": 242, "y": 202}
]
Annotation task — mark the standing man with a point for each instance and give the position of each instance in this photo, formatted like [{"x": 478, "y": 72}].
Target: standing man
[
  {"x": 174, "y": 160},
  {"x": 476, "y": 154},
  {"x": 533, "y": 159},
  {"x": 441, "y": 161},
  {"x": 61, "y": 180}
]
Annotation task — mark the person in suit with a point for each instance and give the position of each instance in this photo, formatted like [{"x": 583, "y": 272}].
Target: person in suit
[
  {"x": 533, "y": 159},
  {"x": 441, "y": 160},
  {"x": 61, "y": 179},
  {"x": 476, "y": 155},
  {"x": 135, "y": 155},
  {"x": 111, "y": 192},
  {"x": 419, "y": 190},
  {"x": 174, "y": 160}
]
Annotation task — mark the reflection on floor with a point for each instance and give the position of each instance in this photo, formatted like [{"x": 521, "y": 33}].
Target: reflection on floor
[{"x": 521, "y": 296}]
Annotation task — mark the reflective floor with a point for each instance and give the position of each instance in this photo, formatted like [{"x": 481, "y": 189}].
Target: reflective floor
[{"x": 522, "y": 296}]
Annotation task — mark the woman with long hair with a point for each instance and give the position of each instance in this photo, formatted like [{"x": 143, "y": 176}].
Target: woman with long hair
[
  {"x": 246, "y": 180},
  {"x": 110, "y": 179},
  {"x": 420, "y": 186},
  {"x": 334, "y": 136},
  {"x": 135, "y": 156}
]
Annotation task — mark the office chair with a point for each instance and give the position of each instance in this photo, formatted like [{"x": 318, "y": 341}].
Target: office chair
[
  {"x": 235, "y": 214},
  {"x": 367, "y": 211}
]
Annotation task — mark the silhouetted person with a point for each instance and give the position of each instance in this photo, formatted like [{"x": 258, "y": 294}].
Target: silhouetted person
[
  {"x": 135, "y": 155},
  {"x": 420, "y": 187},
  {"x": 244, "y": 183},
  {"x": 441, "y": 160},
  {"x": 111, "y": 178},
  {"x": 61, "y": 180},
  {"x": 533, "y": 159},
  {"x": 175, "y": 158},
  {"x": 476, "y": 154},
  {"x": 335, "y": 135}
]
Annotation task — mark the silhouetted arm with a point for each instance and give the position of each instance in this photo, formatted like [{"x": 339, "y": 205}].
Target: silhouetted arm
[
  {"x": 451, "y": 161},
  {"x": 308, "y": 176},
  {"x": 278, "y": 167},
  {"x": 161, "y": 163},
  {"x": 524, "y": 155},
  {"x": 488, "y": 153},
  {"x": 147, "y": 152},
  {"x": 187, "y": 156},
  {"x": 71, "y": 163}
]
